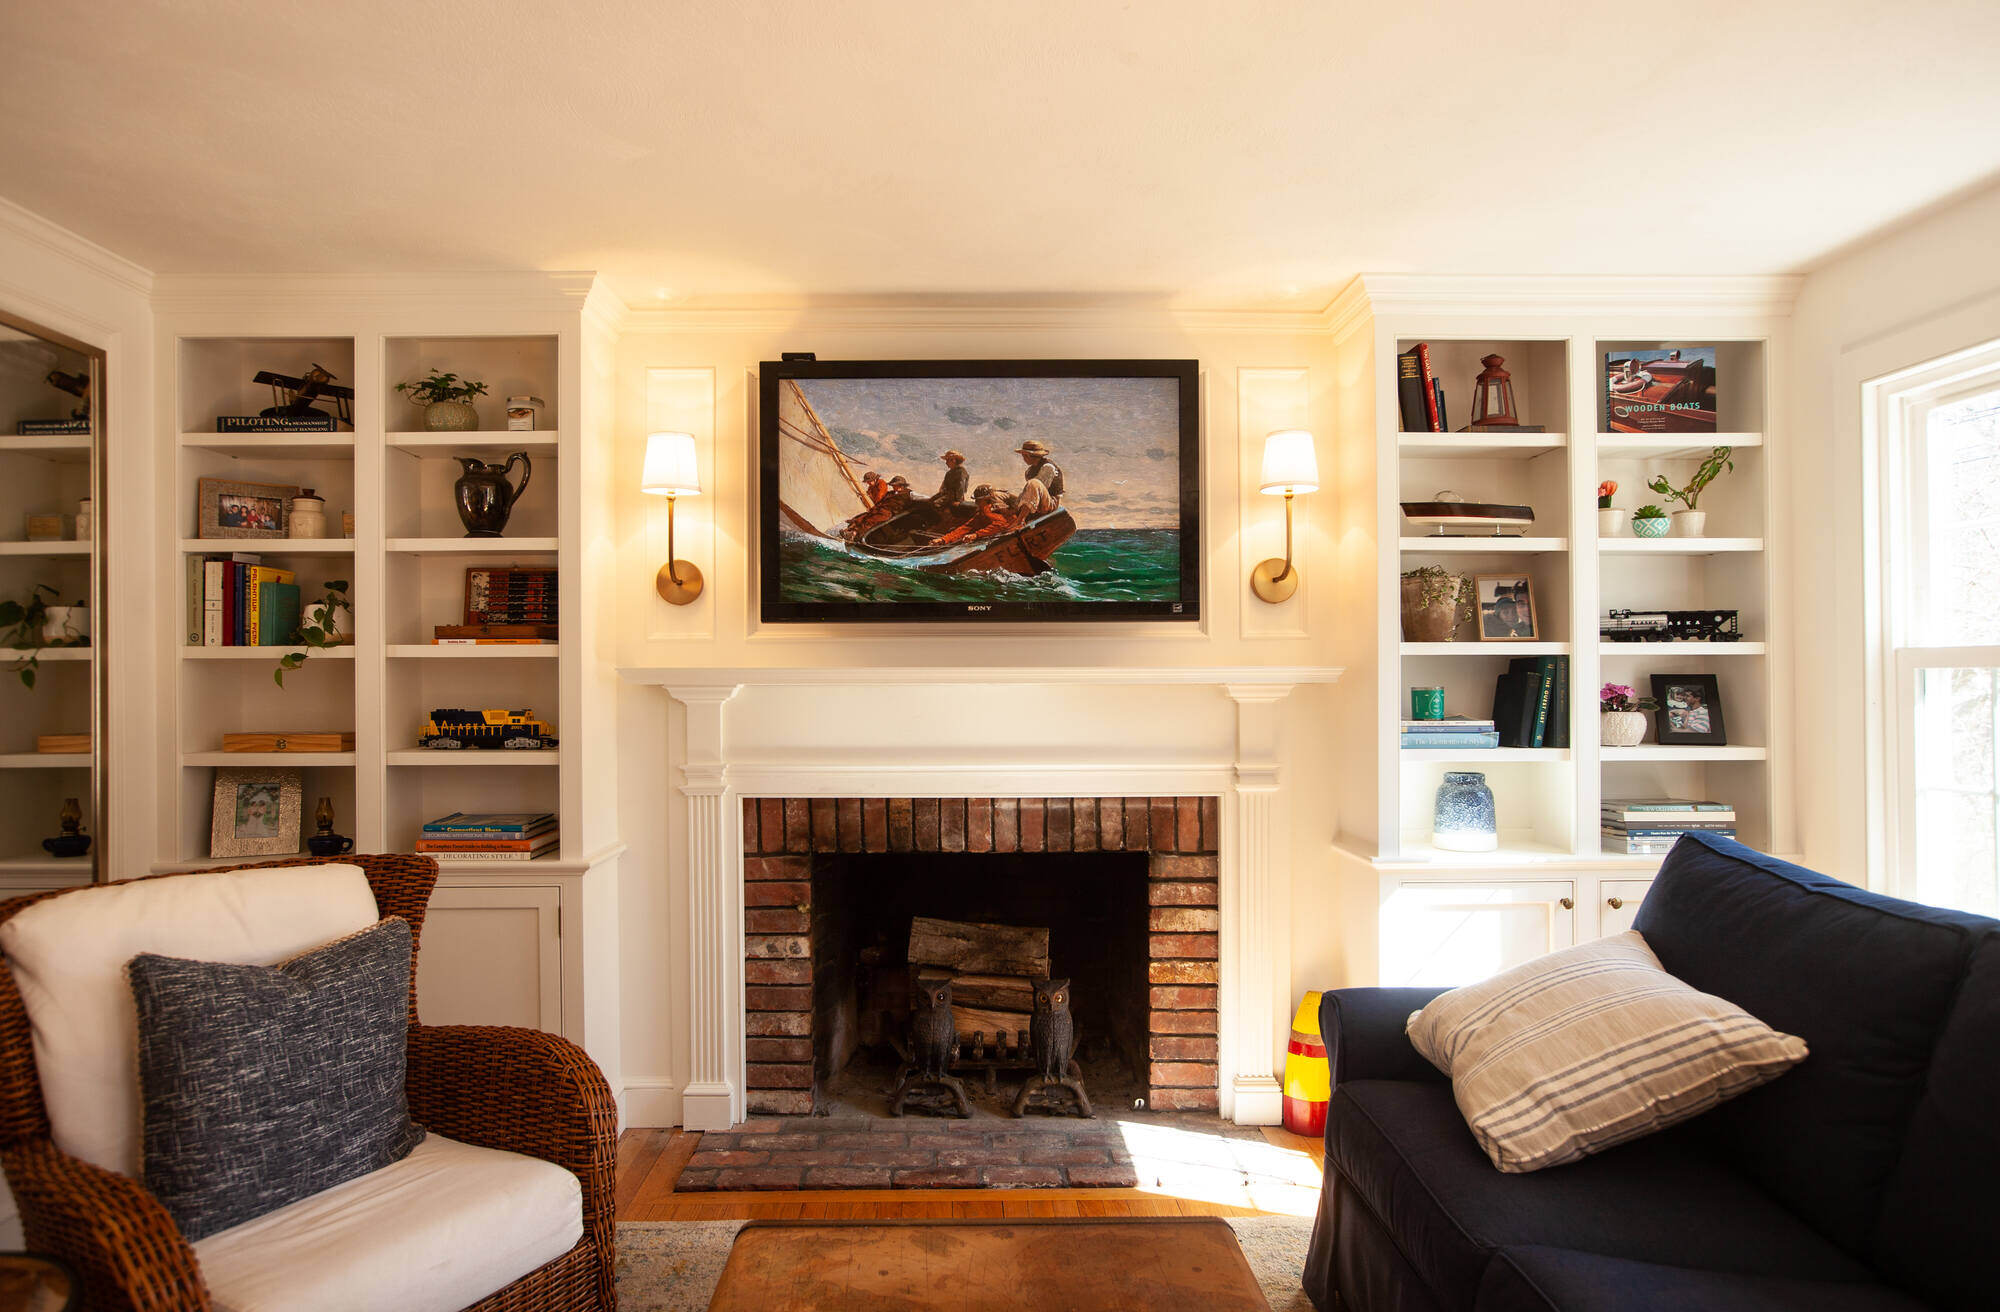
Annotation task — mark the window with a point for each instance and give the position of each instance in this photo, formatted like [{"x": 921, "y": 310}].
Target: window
[{"x": 1940, "y": 431}]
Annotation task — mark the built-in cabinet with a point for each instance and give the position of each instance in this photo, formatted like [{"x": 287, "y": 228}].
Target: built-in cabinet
[{"x": 1450, "y": 916}]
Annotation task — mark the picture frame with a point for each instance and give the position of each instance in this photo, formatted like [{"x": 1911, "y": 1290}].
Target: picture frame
[
  {"x": 1504, "y": 608},
  {"x": 256, "y": 812},
  {"x": 229, "y": 509},
  {"x": 892, "y": 491},
  {"x": 1690, "y": 713}
]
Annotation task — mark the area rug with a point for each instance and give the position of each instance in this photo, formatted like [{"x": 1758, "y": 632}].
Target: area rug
[{"x": 673, "y": 1266}]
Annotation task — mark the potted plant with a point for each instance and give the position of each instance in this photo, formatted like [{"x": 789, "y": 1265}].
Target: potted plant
[
  {"x": 1435, "y": 602},
  {"x": 1649, "y": 522},
  {"x": 447, "y": 401},
  {"x": 31, "y": 625},
  {"x": 323, "y": 623},
  {"x": 1610, "y": 521},
  {"x": 1623, "y": 722},
  {"x": 1688, "y": 523}
]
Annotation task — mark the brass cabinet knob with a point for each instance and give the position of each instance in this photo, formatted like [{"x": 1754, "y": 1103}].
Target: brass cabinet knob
[
  {"x": 1614, "y": 902},
  {"x": 1567, "y": 904}
]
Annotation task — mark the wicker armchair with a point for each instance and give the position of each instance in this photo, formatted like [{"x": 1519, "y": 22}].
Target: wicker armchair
[{"x": 515, "y": 1089}]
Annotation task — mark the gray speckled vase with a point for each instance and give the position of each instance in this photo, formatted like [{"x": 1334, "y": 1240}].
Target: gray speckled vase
[{"x": 1464, "y": 819}]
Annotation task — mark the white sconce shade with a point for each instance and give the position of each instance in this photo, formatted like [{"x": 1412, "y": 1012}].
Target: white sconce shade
[
  {"x": 1290, "y": 464},
  {"x": 670, "y": 466}
]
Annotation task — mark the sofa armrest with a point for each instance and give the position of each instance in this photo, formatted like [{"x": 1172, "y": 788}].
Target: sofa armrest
[
  {"x": 110, "y": 1230},
  {"x": 523, "y": 1091},
  {"x": 1363, "y": 1032}
]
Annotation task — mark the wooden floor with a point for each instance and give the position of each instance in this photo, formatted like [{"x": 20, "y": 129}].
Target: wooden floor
[{"x": 649, "y": 1161}]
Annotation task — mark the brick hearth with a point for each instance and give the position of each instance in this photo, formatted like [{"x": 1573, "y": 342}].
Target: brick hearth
[
  {"x": 915, "y": 1153},
  {"x": 781, "y": 835}
]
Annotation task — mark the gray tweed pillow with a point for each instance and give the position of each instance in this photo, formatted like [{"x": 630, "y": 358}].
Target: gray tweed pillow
[{"x": 262, "y": 1085}]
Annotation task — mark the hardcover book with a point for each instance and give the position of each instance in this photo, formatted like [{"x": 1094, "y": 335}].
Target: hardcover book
[
  {"x": 1671, "y": 390},
  {"x": 49, "y": 427},
  {"x": 275, "y": 423}
]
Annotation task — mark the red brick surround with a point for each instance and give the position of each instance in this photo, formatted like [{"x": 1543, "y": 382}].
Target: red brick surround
[{"x": 780, "y": 836}]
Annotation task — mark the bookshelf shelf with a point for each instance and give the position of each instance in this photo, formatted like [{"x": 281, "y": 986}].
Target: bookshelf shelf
[
  {"x": 32, "y": 549},
  {"x": 1479, "y": 446},
  {"x": 1676, "y": 446},
  {"x": 1485, "y": 649},
  {"x": 417, "y": 651},
  {"x": 268, "y": 546},
  {"x": 1483, "y": 546},
  {"x": 271, "y": 653},
  {"x": 304, "y": 760},
  {"x": 49, "y": 653},
  {"x": 484, "y": 445},
  {"x": 1656, "y": 752},
  {"x": 275, "y": 446},
  {"x": 1436, "y": 755},
  {"x": 60, "y": 448},
  {"x": 1644, "y": 650},
  {"x": 473, "y": 546},
  {"x": 482, "y": 759},
  {"x": 45, "y": 761},
  {"x": 1677, "y": 546}
]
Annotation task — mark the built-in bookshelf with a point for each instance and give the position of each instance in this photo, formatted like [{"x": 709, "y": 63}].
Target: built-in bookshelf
[
  {"x": 405, "y": 565},
  {"x": 1548, "y": 799},
  {"x": 43, "y": 475}
]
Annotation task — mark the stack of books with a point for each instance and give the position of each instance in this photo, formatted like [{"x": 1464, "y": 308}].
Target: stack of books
[
  {"x": 235, "y": 601},
  {"x": 1531, "y": 702},
  {"x": 511, "y": 594},
  {"x": 1455, "y": 732},
  {"x": 489, "y": 836},
  {"x": 1650, "y": 826}
]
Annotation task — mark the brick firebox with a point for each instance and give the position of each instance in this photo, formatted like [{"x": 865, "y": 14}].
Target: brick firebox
[{"x": 1179, "y": 834}]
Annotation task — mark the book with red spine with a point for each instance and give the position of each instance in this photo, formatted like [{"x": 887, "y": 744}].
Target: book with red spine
[{"x": 1430, "y": 387}]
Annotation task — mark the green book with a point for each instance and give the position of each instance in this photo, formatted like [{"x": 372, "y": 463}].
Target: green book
[{"x": 277, "y": 614}]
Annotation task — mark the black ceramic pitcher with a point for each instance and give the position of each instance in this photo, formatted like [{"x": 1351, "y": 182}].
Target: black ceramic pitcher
[{"x": 485, "y": 498}]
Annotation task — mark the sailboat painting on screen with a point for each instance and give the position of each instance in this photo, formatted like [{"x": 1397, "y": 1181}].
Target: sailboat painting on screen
[{"x": 990, "y": 491}]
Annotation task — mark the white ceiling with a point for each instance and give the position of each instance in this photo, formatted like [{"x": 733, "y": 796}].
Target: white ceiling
[{"x": 1222, "y": 154}]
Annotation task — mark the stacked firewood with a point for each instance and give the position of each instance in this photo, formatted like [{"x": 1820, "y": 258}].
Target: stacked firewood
[{"x": 993, "y": 969}]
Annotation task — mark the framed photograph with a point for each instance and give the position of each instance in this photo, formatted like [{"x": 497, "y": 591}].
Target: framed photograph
[
  {"x": 1690, "y": 711},
  {"x": 256, "y": 813},
  {"x": 1506, "y": 608},
  {"x": 979, "y": 490},
  {"x": 244, "y": 510}
]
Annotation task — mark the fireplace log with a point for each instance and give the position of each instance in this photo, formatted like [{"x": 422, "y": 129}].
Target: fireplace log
[
  {"x": 970, "y": 1020},
  {"x": 971, "y": 949},
  {"x": 994, "y": 992}
]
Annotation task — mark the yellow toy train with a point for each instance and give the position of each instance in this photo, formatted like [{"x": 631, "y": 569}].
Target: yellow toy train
[{"x": 450, "y": 729}]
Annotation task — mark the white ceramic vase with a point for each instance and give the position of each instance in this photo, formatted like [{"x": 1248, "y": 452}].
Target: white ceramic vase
[
  {"x": 1689, "y": 523},
  {"x": 1610, "y": 522},
  {"x": 1621, "y": 728},
  {"x": 66, "y": 626}
]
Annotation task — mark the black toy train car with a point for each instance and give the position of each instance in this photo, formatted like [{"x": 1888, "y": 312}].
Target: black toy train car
[
  {"x": 1670, "y": 626},
  {"x": 450, "y": 729}
]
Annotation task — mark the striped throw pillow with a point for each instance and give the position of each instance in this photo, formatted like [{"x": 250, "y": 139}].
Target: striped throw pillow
[{"x": 1588, "y": 1047}]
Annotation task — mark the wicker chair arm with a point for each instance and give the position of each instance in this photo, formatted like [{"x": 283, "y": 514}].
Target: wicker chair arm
[
  {"x": 528, "y": 1092},
  {"x": 111, "y": 1231}
]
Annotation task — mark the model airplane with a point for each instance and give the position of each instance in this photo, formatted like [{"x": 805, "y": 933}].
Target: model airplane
[
  {"x": 295, "y": 396},
  {"x": 77, "y": 385}
]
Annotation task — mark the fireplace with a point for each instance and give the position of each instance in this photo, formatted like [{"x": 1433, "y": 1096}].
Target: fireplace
[{"x": 1128, "y": 888}]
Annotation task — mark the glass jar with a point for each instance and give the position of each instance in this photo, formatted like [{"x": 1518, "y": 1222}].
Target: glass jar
[
  {"x": 1464, "y": 819},
  {"x": 523, "y": 413},
  {"x": 83, "y": 520}
]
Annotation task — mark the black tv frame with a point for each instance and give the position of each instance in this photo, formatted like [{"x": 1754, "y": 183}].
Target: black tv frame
[{"x": 772, "y": 610}]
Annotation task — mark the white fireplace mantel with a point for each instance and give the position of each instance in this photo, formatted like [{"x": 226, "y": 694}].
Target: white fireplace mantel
[{"x": 1250, "y": 784}]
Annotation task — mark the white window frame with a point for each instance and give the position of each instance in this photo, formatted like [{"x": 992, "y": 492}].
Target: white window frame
[{"x": 1895, "y": 423}]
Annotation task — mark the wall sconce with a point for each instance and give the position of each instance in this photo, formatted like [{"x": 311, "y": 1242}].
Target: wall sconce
[
  {"x": 1291, "y": 468},
  {"x": 670, "y": 472}
]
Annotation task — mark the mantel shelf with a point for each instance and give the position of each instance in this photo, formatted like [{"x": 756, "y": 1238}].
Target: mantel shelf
[{"x": 878, "y": 676}]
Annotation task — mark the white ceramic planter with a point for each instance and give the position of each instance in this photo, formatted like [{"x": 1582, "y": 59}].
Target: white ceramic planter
[
  {"x": 1689, "y": 523},
  {"x": 342, "y": 621},
  {"x": 1610, "y": 522},
  {"x": 66, "y": 626},
  {"x": 1621, "y": 728},
  {"x": 451, "y": 417}
]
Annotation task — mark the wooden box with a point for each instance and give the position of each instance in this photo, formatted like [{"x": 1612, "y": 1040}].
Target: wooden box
[
  {"x": 62, "y": 743},
  {"x": 288, "y": 742}
]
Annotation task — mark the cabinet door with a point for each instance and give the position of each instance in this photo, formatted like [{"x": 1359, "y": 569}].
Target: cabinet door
[
  {"x": 1618, "y": 902},
  {"x": 1456, "y": 933},
  {"x": 492, "y": 956}
]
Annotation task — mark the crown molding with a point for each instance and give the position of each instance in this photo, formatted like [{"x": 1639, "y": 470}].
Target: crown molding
[
  {"x": 887, "y": 318},
  {"x": 530, "y": 291},
  {"x": 1348, "y": 312},
  {"x": 1389, "y": 293},
  {"x": 23, "y": 223}
]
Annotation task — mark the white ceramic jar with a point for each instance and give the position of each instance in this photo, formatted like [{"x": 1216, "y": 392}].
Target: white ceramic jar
[{"x": 308, "y": 516}]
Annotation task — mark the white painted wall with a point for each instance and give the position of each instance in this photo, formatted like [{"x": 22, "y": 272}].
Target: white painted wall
[
  {"x": 1925, "y": 289},
  {"x": 1259, "y": 372}
]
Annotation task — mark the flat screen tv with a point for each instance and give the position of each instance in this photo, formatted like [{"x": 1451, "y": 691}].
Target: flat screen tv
[{"x": 979, "y": 490}]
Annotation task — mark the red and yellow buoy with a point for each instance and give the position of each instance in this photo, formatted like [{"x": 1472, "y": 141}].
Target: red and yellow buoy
[{"x": 1307, "y": 1083}]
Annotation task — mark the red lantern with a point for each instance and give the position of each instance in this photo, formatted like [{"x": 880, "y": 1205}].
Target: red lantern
[{"x": 1493, "y": 396}]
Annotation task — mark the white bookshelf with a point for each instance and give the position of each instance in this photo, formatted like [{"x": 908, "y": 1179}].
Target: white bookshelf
[
  {"x": 46, "y": 475},
  {"x": 405, "y": 566}
]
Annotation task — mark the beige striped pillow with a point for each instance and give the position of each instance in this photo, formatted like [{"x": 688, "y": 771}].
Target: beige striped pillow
[{"x": 1588, "y": 1047}]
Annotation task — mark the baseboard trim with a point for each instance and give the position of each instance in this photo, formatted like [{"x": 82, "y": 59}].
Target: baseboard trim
[
  {"x": 1259, "y": 1100},
  {"x": 651, "y": 1102},
  {"x": 708, "y": 1106}
]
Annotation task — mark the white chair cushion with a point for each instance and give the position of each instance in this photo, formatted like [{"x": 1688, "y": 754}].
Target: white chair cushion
[
  {"x": 68, "y": 956},
  {"x": 435, "y": 1232}
]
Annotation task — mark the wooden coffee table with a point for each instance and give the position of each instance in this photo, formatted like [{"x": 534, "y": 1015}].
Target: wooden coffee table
[{"x": 1086, "y": 1264}]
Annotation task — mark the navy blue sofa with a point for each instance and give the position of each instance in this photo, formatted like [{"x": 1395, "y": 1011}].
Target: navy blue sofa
[{"x": 1866, "y": 1179}]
